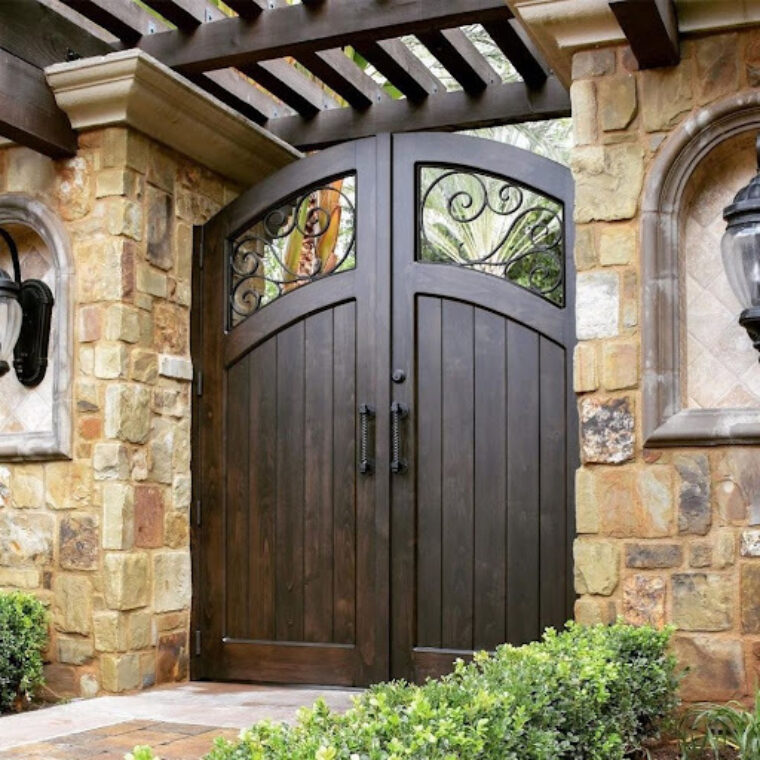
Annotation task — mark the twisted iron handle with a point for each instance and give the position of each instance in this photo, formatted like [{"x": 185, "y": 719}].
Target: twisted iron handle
[
  {"x": 365, "y": 415},
  {"x": 398, "y": 412}
]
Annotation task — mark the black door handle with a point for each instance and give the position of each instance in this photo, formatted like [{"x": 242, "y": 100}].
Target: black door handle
[
  {"x": 398, "y": 412},
  {"x": 366, "y": 413}
]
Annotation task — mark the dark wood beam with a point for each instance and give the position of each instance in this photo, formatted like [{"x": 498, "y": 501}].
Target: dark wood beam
[
  {"x": 29, "y": 114},
  {"x": 184, "y": 14},
  {"x": 344, "y": 77},
  {"x": 498, "y": 104},
  {"x": 456, "y": 52},
  {"x": 406, "y": 72},
  {"x": 512, "y": 40},
  {"x": 651, "y": 27},
  {"x": 40, "y": 36},
  {"x": 291, "y": 86},
  {"x": 248, "y": 9},
  {"x": 125, "y": 20},
  {"x": 296, "y": 29}
]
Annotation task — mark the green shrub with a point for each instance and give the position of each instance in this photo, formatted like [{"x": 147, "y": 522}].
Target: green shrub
[
  {"x": 23, "y": 637},
  {"x": 585, "y": 693}
]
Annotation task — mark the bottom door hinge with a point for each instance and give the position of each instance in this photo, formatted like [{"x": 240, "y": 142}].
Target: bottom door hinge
[{"x": 197, "y": 642}]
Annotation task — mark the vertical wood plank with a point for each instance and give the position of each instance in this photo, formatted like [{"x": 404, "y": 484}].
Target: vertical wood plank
[
  {"x": 289, "y": 593},
  {"x": 344, "y": 474},
  {"x": 429, "y": 472},
  {"x": 490, "y": 479},
  {"x": 523, "y": 485},
  {"x": 318, "y": 482},
  {"x": 553, "y": 486},
  {"x": 263, "y": 480},
  {"x": 237, "y": 552},
  {"x": 457, "y": 323}
]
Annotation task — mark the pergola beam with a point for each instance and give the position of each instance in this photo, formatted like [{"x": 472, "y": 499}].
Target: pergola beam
[
  {"x": 651, "y": 28},
  {"x": 517, "y": 47},
  {"x": 296, "y": 29},
  {"x": 498, "y": 104},
  {"x": 29, "y": 114}
]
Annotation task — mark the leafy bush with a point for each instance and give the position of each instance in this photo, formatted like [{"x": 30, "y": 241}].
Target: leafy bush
[
  {"x": 23, "y": 637},
  {"x": 592, "y": 693}
]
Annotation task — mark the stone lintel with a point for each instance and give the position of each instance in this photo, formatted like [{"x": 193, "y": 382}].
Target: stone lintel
[{"x": 130, "y": 88}]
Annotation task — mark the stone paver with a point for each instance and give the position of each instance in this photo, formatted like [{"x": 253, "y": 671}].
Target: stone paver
[{"x": 180, "y": 722}]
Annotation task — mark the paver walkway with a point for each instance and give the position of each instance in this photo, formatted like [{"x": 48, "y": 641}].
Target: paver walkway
[{"x": 180, "y": 722}]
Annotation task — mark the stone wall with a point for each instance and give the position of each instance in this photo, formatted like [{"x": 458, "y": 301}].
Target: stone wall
[
  {"x": 104, "y": 538},
  {"x": 665, "y": 535}
]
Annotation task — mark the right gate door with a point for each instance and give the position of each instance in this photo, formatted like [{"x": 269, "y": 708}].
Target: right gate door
[{"x": 483, "y": 428}]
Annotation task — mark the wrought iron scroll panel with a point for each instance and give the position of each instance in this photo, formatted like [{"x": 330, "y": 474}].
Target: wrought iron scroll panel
[
  {"x": 491, "y": 224},
  {"x": 308, "y": 236}
]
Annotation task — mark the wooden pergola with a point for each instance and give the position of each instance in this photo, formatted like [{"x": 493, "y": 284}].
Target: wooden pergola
[{"x": 247, "y": 61}]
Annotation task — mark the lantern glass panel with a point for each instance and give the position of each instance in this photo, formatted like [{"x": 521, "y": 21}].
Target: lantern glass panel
[
  {"x": 10, "y": 327},
  {"x": 740, "y": 248}
]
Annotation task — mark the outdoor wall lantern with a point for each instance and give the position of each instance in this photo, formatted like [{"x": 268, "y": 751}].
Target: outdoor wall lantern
[{"x": 25, "y": 311}]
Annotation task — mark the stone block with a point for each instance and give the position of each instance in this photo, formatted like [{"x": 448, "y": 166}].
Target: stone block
[
  {"x": 74, "y": 187},
  {"x": 28, "y": 172},
  {"x": 90, "y": 324},
  {"x": 75, "y": 651},
  {"x": 68, "y": 485},
  {"x": 149, "y": 516},
  {"x": 110, "y": 461},
  {"x": 172, "y": 659},
  {"x": 171, "y": 329},
  {"x": 26, "y": 538},
  {"x": 171, "y": 576},
  {"x": 176, "y": 530},
  {"x": 650, "y": 556},
  {"x": 160, "y": 228},
  {"x": 607, "y": 430},
  {"x": 88, "y": 686},
  {"x": 700, "y": 555},
  {"x": 126, "y": 581},
  {"x": 717, "y": 66},
  {"x": 714, "y": 668},
  {"x": 597, "y": 310},
  {"x": 629, "y": 299},
  {"x": 99, "y": 270},
  {"x": 181, "y": 492},
  {"x": 593, "y": 610},
  {"x": 144, "y": 366},
  {"x": 124, "y": 217},
  {"x": 127, "y": 414},
  {"x": 702, "y": 601},
  {"x": 78, "y": 543},
  {"x": 617, "y": 244},
  {"x": 620, "y": 365},
  {"x": 111, "y": 633},
  {"x": 585, "y": 377},
  {"x": 120, "y": 672},
  {"x": 151, "y": 281},
  {"x": 61, "y": 680},
  {"x": 20, "y": 577},
  {"x": 175, "y": 367},
  {"x": 644, "y": 600},
  {"x": 750, "y": 597},
  {"x": 666, "y": 97},
  {"x": 117, "y": 182},
  {"x": 72, "y": 603},
  {"x": 118, "y": 516},
  {"x": 617, "y": 101},
  {"x": 694, "y": 508},
  {"x": 110, "y": 361},
  {"x": 750, "y": 543},
  {"x": 608, "y": 182},
  {"x": 162, "y": 451},
  {"x": 28, "y": 487},
  {"x": 724, "y": 552},
  {"x": 140, "y": 630},
  {"x": 124, "y": 147},
  {"x": 583, "y": 100},
  {"x": 593, "y": 63},
  {"x": 731, "y": 502},
  {"x": 122, "y": 323},
  {"x": 587, "y": 508},
  {"x": 655, "y": 493},
  {"x": 86, "y": 396},
  {"x": 597, "y": 567},
  {"x": 184, "y": 237}
]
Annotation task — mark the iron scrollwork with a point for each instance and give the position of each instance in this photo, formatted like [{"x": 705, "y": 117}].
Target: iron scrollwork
[
  {"x": 309, "y": 236},
  {"x": 490, "y": 224}
]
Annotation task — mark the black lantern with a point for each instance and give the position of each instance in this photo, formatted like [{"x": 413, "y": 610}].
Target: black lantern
[{"x": 25, "y": 311}]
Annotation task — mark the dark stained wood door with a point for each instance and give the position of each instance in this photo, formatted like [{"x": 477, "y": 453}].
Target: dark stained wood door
[{"x": 385, "y": 437}]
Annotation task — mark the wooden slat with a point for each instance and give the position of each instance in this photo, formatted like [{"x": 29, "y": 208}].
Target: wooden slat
[
  {"x": 291, "y": 86},
  {"x": 40, "y": 36},
  {"x": 263, "y": 494},
  {"x": 248, "y": 9},
  {"x": 406, "y": 72},
  {"x": 295, "y": 29},
  {"x": 344, "y": 475},
  {"x": 460, "y": 58},
  {"x": 457, "y": 463},
  {"x": 651, "y": 27},
  {"x": 343, "y": 76},
  {"x": 290, "y": 484},
  {"x": 512, "y": 40},
  {"x": 318, "y": 483},
  {"x": 125, "y": 20},
  {"x": 499, "y": 104},
  {"x": 429, "y": 473},
  {"x": 29, "y": 114},
  {"x": 186, "y": 15}
]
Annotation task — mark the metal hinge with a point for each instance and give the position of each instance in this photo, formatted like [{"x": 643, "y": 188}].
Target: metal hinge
[
  {"x": 198, "y": 513},
  {"x": 198, "y": 382},
  {"x": 197, "y": 642}
]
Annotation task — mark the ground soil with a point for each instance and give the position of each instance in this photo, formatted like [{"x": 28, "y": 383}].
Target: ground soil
[{"x": 671, "y": 751}]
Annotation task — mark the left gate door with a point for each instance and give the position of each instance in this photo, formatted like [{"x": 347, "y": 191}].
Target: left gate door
[{"x": 291, "y": 561}]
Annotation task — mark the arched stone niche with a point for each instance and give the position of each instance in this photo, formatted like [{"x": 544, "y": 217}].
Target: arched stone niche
[
  {"x": 35, "y": 423},
  {"x": 701, "y": 378}
]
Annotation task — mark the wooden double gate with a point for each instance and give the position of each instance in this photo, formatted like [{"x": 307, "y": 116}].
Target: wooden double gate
[{"x": 385, "y": 437}]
